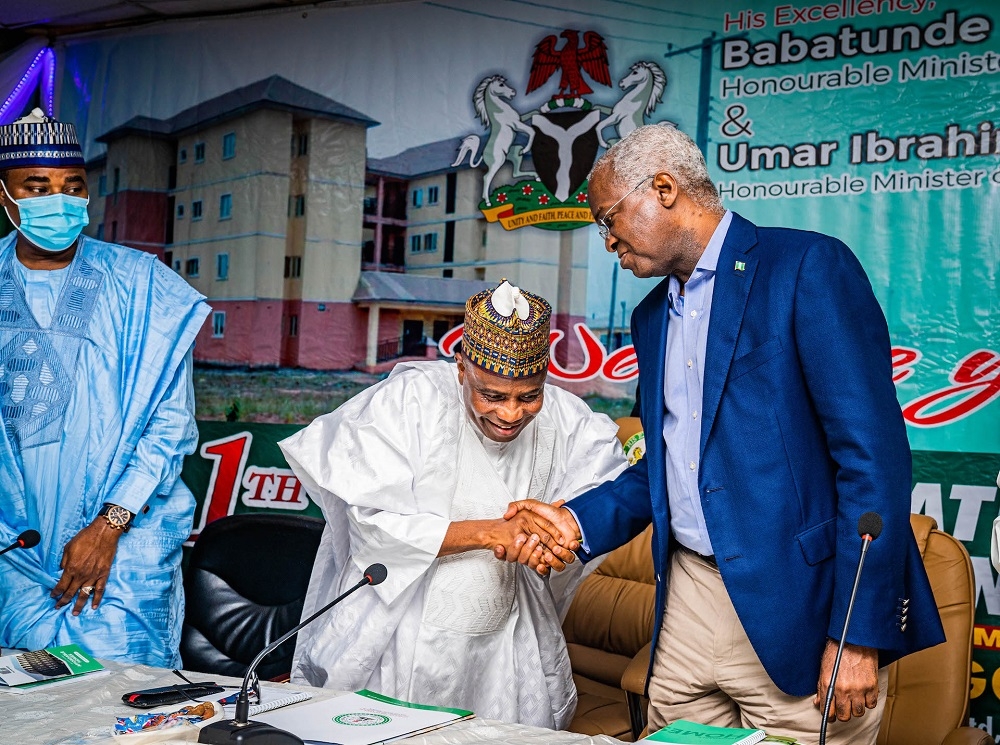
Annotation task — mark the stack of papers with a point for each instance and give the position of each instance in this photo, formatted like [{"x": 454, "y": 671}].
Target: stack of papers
[{"x": 361, "y": 718}]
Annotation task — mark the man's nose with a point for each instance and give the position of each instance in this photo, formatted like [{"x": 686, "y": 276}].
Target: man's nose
[
  {"x": 611, "y": 243},
  {"x": 509, "y": 411}
]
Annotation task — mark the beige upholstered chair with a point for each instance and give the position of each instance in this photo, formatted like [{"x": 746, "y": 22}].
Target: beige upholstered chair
[
  {"x": 608, "y": 627},
  {"x": 928, "y": 698}
]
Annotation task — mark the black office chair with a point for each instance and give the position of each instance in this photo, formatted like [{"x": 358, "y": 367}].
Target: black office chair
[{"x": 244, "y": 587}]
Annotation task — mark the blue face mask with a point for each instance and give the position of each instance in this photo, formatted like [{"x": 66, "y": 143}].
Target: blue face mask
[{"x": 52, "y": 222}]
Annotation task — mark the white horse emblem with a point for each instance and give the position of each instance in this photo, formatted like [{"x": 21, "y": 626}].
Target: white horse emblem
[
  {"x": 491, "y": 101},
  {"x": 643, "y": 85}
]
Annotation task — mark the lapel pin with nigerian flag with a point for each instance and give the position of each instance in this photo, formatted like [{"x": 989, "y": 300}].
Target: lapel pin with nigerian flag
[{"x": 740, "y": 266}]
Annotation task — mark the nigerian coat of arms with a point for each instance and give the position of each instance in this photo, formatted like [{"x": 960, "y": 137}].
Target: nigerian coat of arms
[{"x": 561, "y": 138}]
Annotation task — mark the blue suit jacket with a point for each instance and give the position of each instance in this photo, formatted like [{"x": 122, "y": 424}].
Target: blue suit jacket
[{"x": 801, "y": 434}]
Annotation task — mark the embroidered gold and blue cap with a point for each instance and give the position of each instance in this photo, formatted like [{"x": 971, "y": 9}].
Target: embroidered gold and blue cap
[
  {"x": 507, "y": 332},
  {"x": 39, "y": 140}
]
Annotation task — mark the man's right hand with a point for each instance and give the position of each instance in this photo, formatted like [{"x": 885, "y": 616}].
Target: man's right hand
[
  {"x": 86, "y": 564},
  {"x": 534, "y": 541},
  {"x": 541, "y": 554},
  {"x": 524, "y": 534}
]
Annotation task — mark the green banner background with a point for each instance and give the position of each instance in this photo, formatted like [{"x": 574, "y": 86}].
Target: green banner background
[{"x": 932, "y": 254}]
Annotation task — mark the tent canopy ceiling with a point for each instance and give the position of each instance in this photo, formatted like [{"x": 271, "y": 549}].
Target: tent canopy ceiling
[{"x": 59, "y": 17}]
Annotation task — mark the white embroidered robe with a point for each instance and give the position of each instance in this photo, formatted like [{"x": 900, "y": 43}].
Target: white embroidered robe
[{"x": 391, "y": 469}]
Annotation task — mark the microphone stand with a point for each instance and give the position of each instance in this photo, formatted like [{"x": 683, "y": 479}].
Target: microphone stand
[
  {"x": 240, "y": 730},
  {"x": 868, "y": 535},
  {"x": 11, "y": 547}
]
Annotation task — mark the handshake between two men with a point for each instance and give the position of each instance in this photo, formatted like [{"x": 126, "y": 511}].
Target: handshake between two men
[{"x": 539, "y": 535}]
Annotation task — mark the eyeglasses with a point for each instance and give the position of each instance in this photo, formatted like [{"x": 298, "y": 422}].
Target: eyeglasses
[{"x": 602, "y": 227}]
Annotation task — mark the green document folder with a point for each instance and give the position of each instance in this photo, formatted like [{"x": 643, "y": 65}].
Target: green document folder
[{"x": 683, "y": 732}]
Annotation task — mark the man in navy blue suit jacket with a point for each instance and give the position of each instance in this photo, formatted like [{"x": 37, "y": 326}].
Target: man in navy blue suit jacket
[{"x": 771, "y": 426}]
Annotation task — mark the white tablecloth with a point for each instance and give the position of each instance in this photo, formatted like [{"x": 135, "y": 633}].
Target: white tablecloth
[{"x": 84, "y": 710}]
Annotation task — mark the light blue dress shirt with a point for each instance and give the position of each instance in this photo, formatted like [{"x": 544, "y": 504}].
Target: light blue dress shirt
[
  {"x": 687, "y": 338},
  {"x": 684, "y": 371}
]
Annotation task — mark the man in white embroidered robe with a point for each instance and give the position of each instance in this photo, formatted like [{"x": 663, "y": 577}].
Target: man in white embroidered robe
[{"x": 417, "y": 473}]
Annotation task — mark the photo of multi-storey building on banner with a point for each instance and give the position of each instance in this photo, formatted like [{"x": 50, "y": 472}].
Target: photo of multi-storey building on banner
[{"x": 310, "y": 254}]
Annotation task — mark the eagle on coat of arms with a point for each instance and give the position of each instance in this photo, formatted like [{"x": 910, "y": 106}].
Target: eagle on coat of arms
[{"x": 592, "y": 59}]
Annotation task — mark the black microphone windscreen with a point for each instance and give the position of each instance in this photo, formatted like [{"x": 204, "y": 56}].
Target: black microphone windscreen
[
  {"x": 376, "y": 574},
  {"x": 29, "y": 539},
  {"x": 870, "y": 524}
]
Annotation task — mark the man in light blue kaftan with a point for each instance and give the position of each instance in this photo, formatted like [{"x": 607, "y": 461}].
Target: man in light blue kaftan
[{"x": 98, "y": 413}]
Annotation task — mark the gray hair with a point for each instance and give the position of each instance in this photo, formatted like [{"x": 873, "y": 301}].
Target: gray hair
[{"x": 660, "y": 147}]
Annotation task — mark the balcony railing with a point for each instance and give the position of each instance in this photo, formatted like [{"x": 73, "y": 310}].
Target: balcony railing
[
  {"x": 368, "y": 266},
  {"x": 389, "y": 349}
]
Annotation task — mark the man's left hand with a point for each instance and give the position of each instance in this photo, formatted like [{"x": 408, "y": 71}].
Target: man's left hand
[
  {"x": 857, "y": 680},
  {"x": 86, "y": 563}
]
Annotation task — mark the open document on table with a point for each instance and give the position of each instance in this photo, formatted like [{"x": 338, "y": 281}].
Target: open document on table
[
  {"x": 28, "y": 669},
  {"x": 361, "y": 718}
]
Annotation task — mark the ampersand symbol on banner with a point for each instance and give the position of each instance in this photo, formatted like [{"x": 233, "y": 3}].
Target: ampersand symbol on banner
[{"x": 733, "y": 126}]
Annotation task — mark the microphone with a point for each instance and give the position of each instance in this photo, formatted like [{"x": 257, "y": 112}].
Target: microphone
[
  {"x": 27, "y": 539},
  {"x": 869, "y": 528},
  {"x": 240, "y": 730}
]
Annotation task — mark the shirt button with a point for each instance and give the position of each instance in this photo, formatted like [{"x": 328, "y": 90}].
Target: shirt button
[
  {"x": 692, "y": 465},
  {"x": 694, "y": 314},
  {"x": 690, "y": 363},
  {"x": 694, "y": 414}
]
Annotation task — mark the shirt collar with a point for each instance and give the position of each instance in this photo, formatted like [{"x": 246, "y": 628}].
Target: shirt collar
[
  {"x": 710, "y": 256},
  {"x": 705, "y": 267}
]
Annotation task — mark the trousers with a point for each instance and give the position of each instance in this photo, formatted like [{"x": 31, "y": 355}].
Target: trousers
[{"x": 705, "y": 669}]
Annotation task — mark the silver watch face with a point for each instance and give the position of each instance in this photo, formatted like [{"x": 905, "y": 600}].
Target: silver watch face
[{"x": 117, "y": 516}]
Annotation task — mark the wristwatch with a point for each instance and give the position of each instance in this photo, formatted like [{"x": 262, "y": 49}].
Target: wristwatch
[{"x": 118, "y": 517}]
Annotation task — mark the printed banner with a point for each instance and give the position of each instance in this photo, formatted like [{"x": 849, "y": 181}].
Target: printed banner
[
  {"x": 875, "y": 122},
  {"x": 871, "y": 120},
  {"x": 452, "y": 139},
  {"x": 959, "y": 490},
  {"x": 239, "y": 468}
]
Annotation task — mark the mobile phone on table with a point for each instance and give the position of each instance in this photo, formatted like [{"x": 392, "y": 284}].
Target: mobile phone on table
[{"x": 150, "y": 698}]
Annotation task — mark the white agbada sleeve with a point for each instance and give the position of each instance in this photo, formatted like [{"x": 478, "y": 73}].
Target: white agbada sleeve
[
  {"x": 368, "y": 455},
  {"x": 590, "y": 447}
]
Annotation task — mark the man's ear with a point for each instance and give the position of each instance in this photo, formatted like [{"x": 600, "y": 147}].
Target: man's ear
[
  {"x": 461, "y": 368},
  {"x": 666, "y": 189}
]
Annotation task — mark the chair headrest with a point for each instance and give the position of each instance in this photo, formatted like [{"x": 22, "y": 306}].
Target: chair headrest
[{"x": 922, "y": 526}]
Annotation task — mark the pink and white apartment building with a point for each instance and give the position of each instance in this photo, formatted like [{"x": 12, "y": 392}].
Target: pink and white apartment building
[{"x": 310, "y": 254}]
